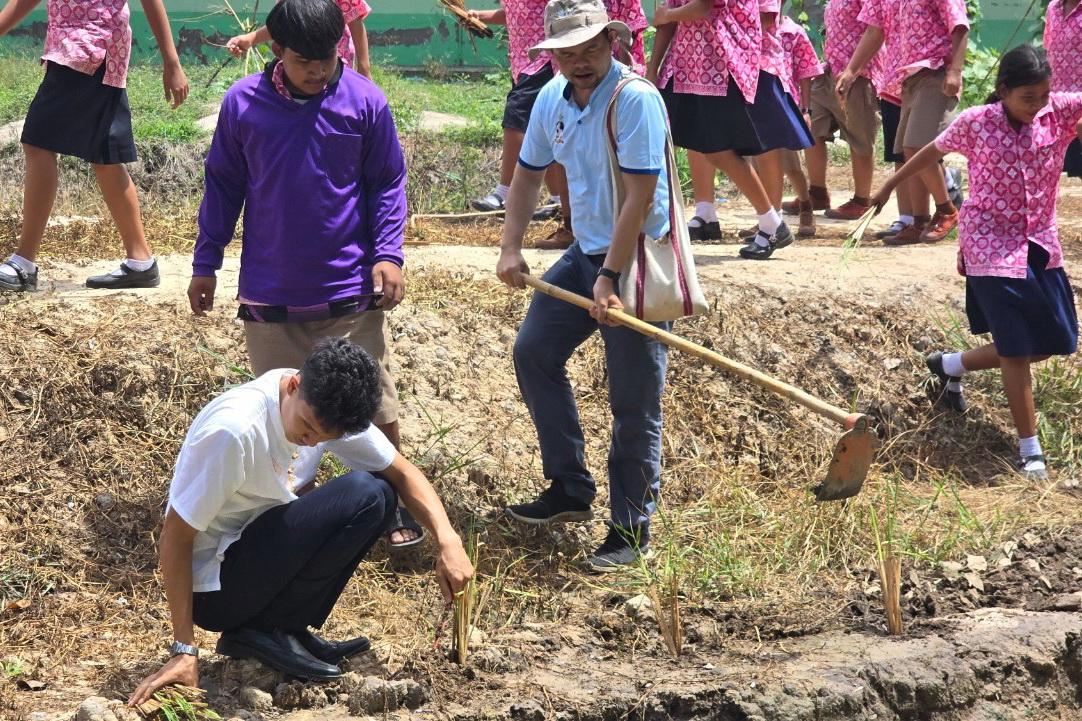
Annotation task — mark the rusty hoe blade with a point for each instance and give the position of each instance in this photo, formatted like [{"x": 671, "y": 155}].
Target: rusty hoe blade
[{"x": 850, "y": 462}]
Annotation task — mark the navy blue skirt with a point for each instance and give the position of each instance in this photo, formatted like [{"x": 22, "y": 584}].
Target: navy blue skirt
[
  {"x": 1072, "y": 161},
  {"x": 715, "y": 123},
  {"x": 78, "y": 115},
  {"x": 1031, "y": 316}
]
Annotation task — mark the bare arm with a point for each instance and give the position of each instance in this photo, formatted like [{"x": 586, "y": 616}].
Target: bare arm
[
  {"x": 805, "y": 93},
  {"x": 869, "y": 45},
  {"x": 662, "y": 40},
  {"x": 694, "y": 10},
  {"x": 952, "y": 82},
  {"x": 173, "y": 78},
  {"x": 925, "y": 157},
  {"x": 14, "y": 13},
  {"x": 520, "y": 204},
  {"x": 490, "y": 17},
  {"x": 453, "y": 567},
  {"x": 359, "y": 34},
  {"x": 175, "y": 550}
]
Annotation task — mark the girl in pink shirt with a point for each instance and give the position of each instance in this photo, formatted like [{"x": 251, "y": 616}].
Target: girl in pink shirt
[
  {"x": 723, "y": 108},
  {"x": 1016, "y": 288},
  {"x": 81, "y": 110}
]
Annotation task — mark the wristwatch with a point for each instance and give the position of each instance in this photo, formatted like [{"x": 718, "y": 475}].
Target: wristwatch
[
  {"x": 613, "y": 275},
  {"x": 179, "y": 648}
]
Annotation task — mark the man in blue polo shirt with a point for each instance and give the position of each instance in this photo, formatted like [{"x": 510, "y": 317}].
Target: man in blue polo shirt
[{"x": 567, "y": 126}]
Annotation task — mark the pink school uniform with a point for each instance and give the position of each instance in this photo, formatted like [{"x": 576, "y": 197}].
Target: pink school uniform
[
  {"x": 1010, "y": 252},
  {"x": 1063, "y": 42},
  {"x": 81, "y": 109},
  {"x": 706, "y": 53},
  {"x": 844, "y": 29},
  {"x": 921, "y": 34},
  {"x": 800, "y": 59},
  {"x": 630, "y": 13},
  {"x": 351, "y": 10},
  {"x": 525, "y": 28}
]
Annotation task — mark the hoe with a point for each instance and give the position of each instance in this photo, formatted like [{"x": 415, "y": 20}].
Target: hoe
[{"x": 853, "y": 452}]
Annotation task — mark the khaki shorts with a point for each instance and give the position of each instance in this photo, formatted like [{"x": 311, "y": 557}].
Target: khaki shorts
[
  {"x": 859, "y": 122},
  {"x": 287, "y": 345},
  {"x": 926, "y": 111}
]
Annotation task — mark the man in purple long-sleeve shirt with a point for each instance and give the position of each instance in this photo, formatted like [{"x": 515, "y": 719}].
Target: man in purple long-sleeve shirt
[{"x": 308, "y": 149}]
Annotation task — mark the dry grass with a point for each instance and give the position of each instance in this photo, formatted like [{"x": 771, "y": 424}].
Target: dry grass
[{"x": 95, "y": 399}]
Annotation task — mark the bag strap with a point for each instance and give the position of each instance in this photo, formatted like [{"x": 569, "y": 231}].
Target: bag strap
[{"x": 677, "y": 227}]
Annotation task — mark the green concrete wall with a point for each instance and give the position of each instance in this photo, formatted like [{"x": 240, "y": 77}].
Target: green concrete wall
[{"x": 418, "y": 33}]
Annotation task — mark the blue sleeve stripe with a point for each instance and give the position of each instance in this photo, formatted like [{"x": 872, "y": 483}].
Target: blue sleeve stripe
[
  {"x": 635, "y": 171},
  {"x": 526, "y": 165}
]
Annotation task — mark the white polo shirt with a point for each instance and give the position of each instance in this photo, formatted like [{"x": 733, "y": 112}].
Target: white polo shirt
[{"x": 234, "y": 465}]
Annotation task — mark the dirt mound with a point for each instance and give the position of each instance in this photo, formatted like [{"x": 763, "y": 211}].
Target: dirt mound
[{"x": 95, "y": 399}]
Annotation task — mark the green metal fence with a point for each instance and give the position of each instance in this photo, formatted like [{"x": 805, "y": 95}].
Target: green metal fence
[{"x": 412, "y": 34}]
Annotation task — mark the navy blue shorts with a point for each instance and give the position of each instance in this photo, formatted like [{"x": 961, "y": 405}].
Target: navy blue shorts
[
  {"x": 715, "y": 123},
  {"x": 1031, "y": 316},
  {"x": 1072, "y": 161},
  {"x": 891, "y": 115},
  {"x": 78, "y": 115},
  {"x": 522, "y": 96}
]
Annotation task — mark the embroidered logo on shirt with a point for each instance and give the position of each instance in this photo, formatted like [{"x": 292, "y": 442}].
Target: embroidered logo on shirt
[{"x": 558, "y": 138}]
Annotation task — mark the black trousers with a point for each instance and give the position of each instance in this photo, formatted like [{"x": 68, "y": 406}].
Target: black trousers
[{"x": 291, "y": 564}]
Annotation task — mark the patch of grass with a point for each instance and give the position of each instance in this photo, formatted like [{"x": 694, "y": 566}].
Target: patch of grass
[{"x": 480, "y": 101}]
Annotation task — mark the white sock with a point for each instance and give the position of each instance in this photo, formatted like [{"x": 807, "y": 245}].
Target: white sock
[
  {"x": 906, "y": 219},
  {"x": 554, "y": 199},
  {"x": 770, "y": 221},
  {"x": 707, "y": 211},
  {"x": 25, "y": 266},
  {"x": 139, "y": 265},
  {"x": 1029, "y": 447},
  {"x": 501, "y": 191},
  {"x": 948, "y": 176},
  {"x": 952, "y": 365}
]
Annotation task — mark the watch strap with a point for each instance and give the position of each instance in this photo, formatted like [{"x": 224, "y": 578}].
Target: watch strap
[
  {"x": 613, "y": 275},
  {"x": 178, "y": 648}
]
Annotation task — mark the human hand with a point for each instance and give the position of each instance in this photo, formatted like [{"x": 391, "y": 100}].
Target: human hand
[
  {"x": 387, "y": 279},
  {"x": 605, "y": 299},
  {"x": 453, "y": 568},
  {"x": 182, "y": 669},
  {"x": 510, "y": 268},
  {"x": 240, "y": 44},
  {"x": 844, "y": 84},
  {"x": 879, "y": 199},
  {"x": 176, "y": 84},
  {"x": 485, "y": 16},
  {"x": 201, "y": 293},
  {"x": 661, "y": 16},
  {"x": 952, "y": 83}
]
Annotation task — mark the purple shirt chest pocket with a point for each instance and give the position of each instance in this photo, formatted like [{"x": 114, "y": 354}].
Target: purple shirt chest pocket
[{"x": 340, "y": 157}]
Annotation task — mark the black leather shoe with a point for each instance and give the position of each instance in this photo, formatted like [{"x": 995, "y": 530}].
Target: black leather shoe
[
  {"x": 125, "y": 277},
  {"x": 278, "y": 649},
  {"x": 332, "y": 651}
]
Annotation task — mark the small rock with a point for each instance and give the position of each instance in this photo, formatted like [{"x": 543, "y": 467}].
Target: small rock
[
  {"x": 951, "y": 570},
  {"x": 372, "y": 696},
  {"x": 892, "y": 363},
  {"x": 38, "y": 716},
  {"x": 256, "y": 699},
  {"x": 477, "y": 638},
  {"x": 527, "y": 710},
  {"x": 977, "y": 563},
  {"x": 408, "y": 693},
  {"x": 249, "y": 672},
  {"x": 1064, "y": 602},
  {"x": 105, "y": 501},
  {"x": 974, "y": 581},
  {"x": 1031, "y": 565},
  {"x": 639, "y": 608},
  {"x": 94, "y": 708}
]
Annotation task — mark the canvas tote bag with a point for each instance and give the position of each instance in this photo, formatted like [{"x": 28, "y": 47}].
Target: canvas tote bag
[{"x": 659, "y": 283}]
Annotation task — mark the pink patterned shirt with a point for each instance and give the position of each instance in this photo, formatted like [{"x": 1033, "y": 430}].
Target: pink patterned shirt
[
  {"x": 351, "y": 10},
  {"x": 883, "y": 14},
  {"x": 630, "y": 13},
  {"x": 801, "y": 61},
  {"x": 525, "y": 28},
  {"x": 705, "y": 53},
  {"x": 922, "y": 35},
  {"x": 1063, "y": 41},
  {"x": 843, "y": 33},
  {"x": 83, "y": 34},
  {"x": 1013, "y": 183},
  {"x": 772, "y": 55}
]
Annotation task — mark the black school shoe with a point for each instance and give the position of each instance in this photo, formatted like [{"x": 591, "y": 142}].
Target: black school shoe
[
  {"x": 126, "y": 278},
  {"x": 278, "y": 649},
  {"x": 331, "y": 651},
  {"x": 953, "y": 399},
  {"x": 782, "y": 238},
  {"x": 1033, "y": 468},
  {"x": 552, "y": 506},
  {"x": 622, "y": 548},
  {"x": 22, "y": 282},
  {"x": 704, "y": 230}
]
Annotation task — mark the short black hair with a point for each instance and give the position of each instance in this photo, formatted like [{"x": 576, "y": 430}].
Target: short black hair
[
  {"x": 341, "y": 383},
  {"x": 1023, "y": 65},
  {"x": 310, "y": 28}
]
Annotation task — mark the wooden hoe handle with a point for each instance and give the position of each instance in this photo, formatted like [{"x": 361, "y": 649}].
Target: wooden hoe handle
[{"x": 759, "y": 378}]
